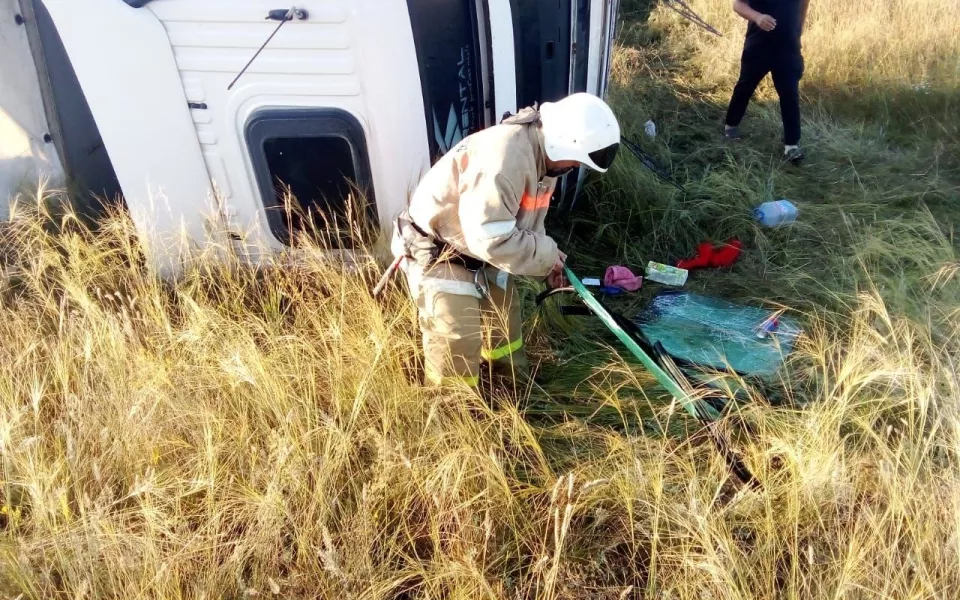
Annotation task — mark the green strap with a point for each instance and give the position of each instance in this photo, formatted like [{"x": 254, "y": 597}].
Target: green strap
[{"x": 692, "y": 406}]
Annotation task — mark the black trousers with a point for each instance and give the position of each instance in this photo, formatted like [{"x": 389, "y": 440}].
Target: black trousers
[{"x": 787, "y": 70}]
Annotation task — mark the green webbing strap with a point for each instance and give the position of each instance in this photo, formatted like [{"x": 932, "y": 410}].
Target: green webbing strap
[
  {"x": 695, "y": 407},
  {"x": 700, "y": 410}
]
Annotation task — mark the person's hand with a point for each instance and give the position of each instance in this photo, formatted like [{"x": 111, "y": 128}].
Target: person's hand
[
  {"x": 555, "y": 277},
  {"x": 766, "y": 22}
]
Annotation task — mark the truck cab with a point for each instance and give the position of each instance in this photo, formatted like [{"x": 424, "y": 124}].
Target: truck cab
[{"x": 211, "y": 117}]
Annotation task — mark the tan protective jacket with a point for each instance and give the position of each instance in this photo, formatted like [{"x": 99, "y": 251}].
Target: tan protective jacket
[{"x": 488, "y": 198}]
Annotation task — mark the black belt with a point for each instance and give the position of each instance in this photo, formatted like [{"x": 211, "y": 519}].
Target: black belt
[{"x": 447, "y": 253}]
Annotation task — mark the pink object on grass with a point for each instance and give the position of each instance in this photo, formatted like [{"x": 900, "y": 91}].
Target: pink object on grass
[{"x": 623, "y": 278}]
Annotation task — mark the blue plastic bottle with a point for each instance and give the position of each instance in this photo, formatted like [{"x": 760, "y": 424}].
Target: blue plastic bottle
[{"x": 775, "y": 213}]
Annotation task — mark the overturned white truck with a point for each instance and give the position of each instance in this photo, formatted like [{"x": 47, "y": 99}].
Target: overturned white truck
[{"x": 141, "y": 99}]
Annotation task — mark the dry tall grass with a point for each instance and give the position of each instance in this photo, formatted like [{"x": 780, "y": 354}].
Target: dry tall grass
[
  {"x": 249, "y": 433},
  {"x": 865, "y": 46}
]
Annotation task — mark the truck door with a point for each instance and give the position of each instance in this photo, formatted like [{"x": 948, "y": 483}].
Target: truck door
[
  {"x": 562, "y": 47},
  {"x": 452, "y": 56}
]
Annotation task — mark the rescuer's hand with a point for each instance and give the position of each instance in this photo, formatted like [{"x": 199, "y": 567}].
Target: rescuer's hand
[{"x": 555, "y": 277}]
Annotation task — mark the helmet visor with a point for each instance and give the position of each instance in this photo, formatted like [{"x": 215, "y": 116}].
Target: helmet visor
[{"x": 603, "y": 157}]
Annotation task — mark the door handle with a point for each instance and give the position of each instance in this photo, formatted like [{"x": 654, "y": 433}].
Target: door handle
[{"x": 287, "y": 14}]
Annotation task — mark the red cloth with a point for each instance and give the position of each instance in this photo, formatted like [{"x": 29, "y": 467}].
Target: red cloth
[
  {"x": 709, "y": 256},
  {"x": 726, "y": 255},
  {"x": 622, "y": 278},
  {"x": 700, "y": 261}
]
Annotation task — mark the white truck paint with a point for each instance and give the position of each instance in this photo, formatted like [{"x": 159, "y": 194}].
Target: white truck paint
[
  {"x": 325, "y": 62},
  {"x": 129, "y": 75},
  {"x": 25, "y": 157},
  {"x": 155, "y": 76}
]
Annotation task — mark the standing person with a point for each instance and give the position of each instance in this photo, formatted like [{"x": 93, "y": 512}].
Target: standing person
[
  {"x": 476, "y": 220},
  {"x": 772, "y": 46}
]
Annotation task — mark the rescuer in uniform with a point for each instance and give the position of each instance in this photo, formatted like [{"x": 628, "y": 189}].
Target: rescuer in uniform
[{"x": 476, "y": 220}]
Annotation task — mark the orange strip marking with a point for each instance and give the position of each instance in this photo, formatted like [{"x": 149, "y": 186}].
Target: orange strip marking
[{"x": 528, "y": 202}]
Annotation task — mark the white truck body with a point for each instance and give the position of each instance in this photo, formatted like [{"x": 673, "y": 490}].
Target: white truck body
[{"x": 359, "y": 94}]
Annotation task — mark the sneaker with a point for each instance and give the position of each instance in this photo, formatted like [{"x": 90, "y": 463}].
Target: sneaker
[
  {"x": 732, "y": 133},
  {"x": 794, "y": 155}
]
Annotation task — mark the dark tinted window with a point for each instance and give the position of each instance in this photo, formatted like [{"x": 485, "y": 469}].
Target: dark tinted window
[
  {"x": 318, "y": 172},
  {"x": 316, "y": 160}
]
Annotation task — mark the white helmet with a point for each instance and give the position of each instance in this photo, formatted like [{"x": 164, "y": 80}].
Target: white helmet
[{"x": 580, "y": 127}]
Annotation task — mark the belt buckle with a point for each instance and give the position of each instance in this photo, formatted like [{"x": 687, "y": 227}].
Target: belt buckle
[{"x": 482, "y": 288}]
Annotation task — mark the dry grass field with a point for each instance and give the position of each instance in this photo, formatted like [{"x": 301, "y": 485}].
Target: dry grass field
[{"x": 261, "y": 432}]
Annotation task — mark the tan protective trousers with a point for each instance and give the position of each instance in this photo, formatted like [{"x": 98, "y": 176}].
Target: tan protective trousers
[{"x": 461, "y": 327}]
